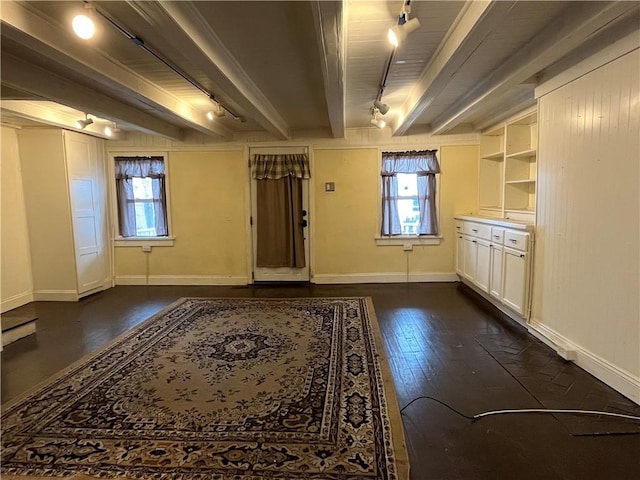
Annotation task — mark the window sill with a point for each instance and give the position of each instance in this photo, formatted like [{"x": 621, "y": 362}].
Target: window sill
[
  {"x": 144, "y": 242},
  {"x": 402, "y": 240}
]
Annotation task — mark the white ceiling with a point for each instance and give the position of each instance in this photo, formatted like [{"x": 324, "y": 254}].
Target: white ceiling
[{"x": 294, "y": 67}]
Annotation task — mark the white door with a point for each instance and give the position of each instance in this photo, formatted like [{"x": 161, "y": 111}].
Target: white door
[
  {"x": 515, "y": 280},
  {"x": 87, "y": 210},
  {"x": 495, "y": 287},
  {"x": 483, "y": 265}
]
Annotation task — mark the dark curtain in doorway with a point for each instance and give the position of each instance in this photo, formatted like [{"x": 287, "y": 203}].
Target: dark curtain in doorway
[{"x": 280, "y": 233}]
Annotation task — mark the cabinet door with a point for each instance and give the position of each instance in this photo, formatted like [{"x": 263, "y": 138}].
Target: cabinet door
[
  {"x": 87, "y": 211},
  {"x": 495, "y": 285},
  {"x": 459, "y": 254},
  {"x": 470, "y": 257},
  {"x": 483, "y": 264},
  {"x": 515, "y": 280}
]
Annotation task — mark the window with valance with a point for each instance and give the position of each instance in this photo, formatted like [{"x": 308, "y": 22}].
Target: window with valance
[
  {"x": 141, "y": 196},
  {"x": 409, "y": 193}
]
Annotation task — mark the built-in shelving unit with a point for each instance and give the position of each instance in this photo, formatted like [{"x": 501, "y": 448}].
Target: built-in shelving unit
[{"x": 507, "y": 169}]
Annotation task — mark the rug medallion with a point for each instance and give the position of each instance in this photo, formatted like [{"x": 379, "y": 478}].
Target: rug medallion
[{"x": 242, "y": 389}]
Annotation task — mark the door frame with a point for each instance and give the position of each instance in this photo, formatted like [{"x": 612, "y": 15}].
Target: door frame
[{"x": 283, "y": 274}]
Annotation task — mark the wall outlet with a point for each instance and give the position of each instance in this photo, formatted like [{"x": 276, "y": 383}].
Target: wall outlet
[
  {"x": 407, "y": 247},
  {"x": 146, "y": 248}
]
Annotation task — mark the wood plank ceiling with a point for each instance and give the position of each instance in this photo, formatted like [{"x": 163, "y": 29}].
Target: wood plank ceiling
[{"x": 287, "y": 69}]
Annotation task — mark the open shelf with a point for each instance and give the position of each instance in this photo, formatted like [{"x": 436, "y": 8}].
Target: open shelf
[
  {"x": 512, "y": 182},
  {"x": 494, "y": 156},
  {"x": 523, "y": 154},
  {"x": 520, "y": 196},
  {"x": 507, "y": 168}
]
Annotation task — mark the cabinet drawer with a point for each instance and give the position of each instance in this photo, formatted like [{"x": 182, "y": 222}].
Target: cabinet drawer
[
  {"x": 497, "y": 235},
  {"x": 517, "y": 240},
  {"x": 459, "y": 226},
  {"x": 477, "y": 230}
]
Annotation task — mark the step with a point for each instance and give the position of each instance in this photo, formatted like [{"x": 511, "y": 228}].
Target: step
[{"x": 15, "y": 327}]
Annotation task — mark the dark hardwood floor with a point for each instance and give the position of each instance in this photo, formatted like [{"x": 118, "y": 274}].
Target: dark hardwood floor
[{"x": 438, "y": 340}]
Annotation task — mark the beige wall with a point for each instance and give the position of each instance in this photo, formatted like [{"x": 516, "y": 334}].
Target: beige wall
[
  {"x": 209, "y": 192},
  {"x": 346, "y": 221},
  {"x": 17, "y": 284},
  {"x": 209, "y": 213}
]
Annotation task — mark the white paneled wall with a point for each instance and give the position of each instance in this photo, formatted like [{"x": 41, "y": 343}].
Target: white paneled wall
[{"x": 586, "y": 294}]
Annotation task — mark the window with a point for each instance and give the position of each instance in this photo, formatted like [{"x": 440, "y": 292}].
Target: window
[
  {"x": 141, "y": 196},
  {"x": 409, "y": 193}
]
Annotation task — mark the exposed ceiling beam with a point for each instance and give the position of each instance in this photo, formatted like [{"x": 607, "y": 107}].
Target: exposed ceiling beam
[
  {"x": 556, "y": 40},
  {"x": 18, "y": 74},
  {"x": 42, "y": 112},
  {"x": 40, "y": 35},
  {"x": 183, "y": 25},
  {"x": 518, "y": 99},
  {"x": 328, "y": 18},
  {"x": 474, "y": 23}
]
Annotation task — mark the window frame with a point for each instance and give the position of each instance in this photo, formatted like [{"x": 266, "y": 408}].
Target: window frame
[
  {"x": 120, "y": 241},
  {"x": 406, "y": 240}
]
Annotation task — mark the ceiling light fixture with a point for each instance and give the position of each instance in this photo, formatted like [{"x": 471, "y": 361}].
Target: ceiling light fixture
[
  {"x": 217, "y": 112},
  {"x": 399, "y": 32},
  {"x": 84, "y": 122},
  {"x": 83, "y": 26},
  {"x": 382, "y": 107},
  {"x": 376, "y": 118},
  {"x": 112, "y": 131}
]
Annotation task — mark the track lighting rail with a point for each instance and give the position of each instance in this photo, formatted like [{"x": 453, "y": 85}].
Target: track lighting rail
[{"x": 136, "y": 40}]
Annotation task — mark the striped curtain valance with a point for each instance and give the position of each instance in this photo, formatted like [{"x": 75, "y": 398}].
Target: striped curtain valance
[{"x": 279, "y": 166}]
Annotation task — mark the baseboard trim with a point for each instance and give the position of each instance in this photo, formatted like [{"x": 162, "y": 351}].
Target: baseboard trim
[
  {"x": 55, "y": 296},
  {"x": 383, "y": 278},
  {"x": 181, "y": 280},
  {"x": 16, "y": 301},
  {"x": 618, "y": 379},
  {"x": 501, "y": 307}
]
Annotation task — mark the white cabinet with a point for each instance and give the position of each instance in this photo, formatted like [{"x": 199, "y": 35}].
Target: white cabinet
[
  {"x": 470, "y": 252},
  {"x": 494, "y": 257},
  {"x": 459, "y": 254},
  {"x": 497, "y": 253},
  {"x": 516, "y": 279},
  {"x": 483, "y": 264},
  {"x": 64, "y": 178}
]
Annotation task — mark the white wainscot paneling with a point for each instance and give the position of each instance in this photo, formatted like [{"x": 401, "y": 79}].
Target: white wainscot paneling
[{"x": 587, "y": 265}]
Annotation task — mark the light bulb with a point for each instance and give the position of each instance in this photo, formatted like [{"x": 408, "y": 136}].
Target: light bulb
[
  {"x": 210, "y": 115},
  {"x": 107, "y": 131},
  {"x": 393, "y": 38},
  {"x": 83, "y": 26}
]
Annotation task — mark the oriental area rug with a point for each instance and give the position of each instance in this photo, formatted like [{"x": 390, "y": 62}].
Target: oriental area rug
[{"x": 208, "y": 389}]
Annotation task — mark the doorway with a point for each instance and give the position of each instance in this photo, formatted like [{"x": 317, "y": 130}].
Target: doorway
[{"x": 280, "y": 214}]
